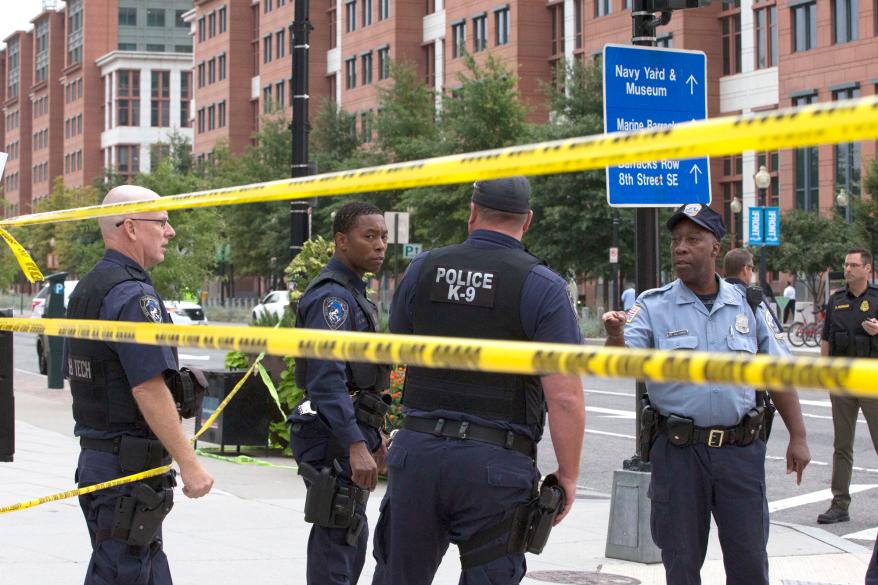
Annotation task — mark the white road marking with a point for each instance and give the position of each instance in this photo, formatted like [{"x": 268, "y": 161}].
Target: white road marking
[
  {"x": 609, "y": 434},
  {"x": 612, "y": 412},
  {"x": 608, "y": 393},
  {"x": 867, "y": 534},
  {"x": 813, "y": 497},
  {"x": 27, "y": 372},
  {"x": 823, "y": 403},
  {"x": 186, "y": 356}
]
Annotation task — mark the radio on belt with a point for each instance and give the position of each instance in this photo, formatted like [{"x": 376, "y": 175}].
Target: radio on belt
[{"x": 462, "y": 286}]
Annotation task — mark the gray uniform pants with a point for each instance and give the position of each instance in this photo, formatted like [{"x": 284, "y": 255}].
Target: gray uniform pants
[{"x": 844, "y": 422}]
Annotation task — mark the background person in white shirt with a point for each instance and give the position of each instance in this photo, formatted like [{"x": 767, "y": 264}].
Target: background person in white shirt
[{"x": 789, "y": 312}]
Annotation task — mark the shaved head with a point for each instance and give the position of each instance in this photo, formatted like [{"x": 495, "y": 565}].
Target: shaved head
[
  {"x": 142, "y": 235},
  {"x": 122, "y": 194}
]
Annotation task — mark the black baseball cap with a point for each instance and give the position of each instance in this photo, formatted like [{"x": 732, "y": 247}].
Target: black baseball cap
[
  {"x": 702, "y": 215},
  {"x": 510, "y": 194}
]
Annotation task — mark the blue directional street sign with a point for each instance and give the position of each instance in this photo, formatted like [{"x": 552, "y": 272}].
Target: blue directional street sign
[
  {"x": 647, "y": 87},
  {"x": 764, "y": 226},
  {"x": 755, "y": 221}
]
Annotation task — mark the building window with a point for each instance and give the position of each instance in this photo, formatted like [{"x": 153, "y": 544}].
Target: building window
[
  {"x": 155, "y": 48},
  {"x": 332, "y": 24},
  {"x": 366, "y": 126},
  {"x": 804, "y": 27},
  {"x": 731, "y": 39},
  {"x": 161, "y": 99},
  {"x": 666, "y": 41},
  {"x": 74, "y": 31},
  {"x": 13, "y": 66},
  {"x": 211, "y": 117},
  {"x": 267, "y": 6},
  {"x": 383, "y": 63},
  {"x": 201, "y": 70},
  {"x": 155, "y": 17},
  {"x": 383, "y": 9},
  {"x": 366, "y": 61},
  {"x": 429, "y": 51},
  {"x": 211, "y": 25},
  {"x": 178, "y": 19},
  {"x": 157, "y": 153},
  {"x": 201, "y": 121},
  {"x": 333, "y": 88},
  {"x": 807, "y": 163},
  {"x": 182, "y": 48},
  {"x": 431, "y": 6},
  {"x": 350, "y": 73},
  {"x": 577, "y": 24},
  {"x": 480, "y": 33},
  {"x": 222, "y": 66},
  {"x": 351, "y": 16},
  {"x": 185, "y": 97},
  {"x": 127, "y": 46},
  {"x": 127, "y": 98},
  {"x": 844, "y": 21},
  {"x": 458, "y": 36},
  {"x": 557, "y": 12},
  {"x": 280, "y": 43},
  {"x": 367, "y": 12},
  {"x": 211, "y": 71},
  {"x": 202, "y": 30},
  {"x": 766, "y": 37},
  {"x": 266, "y": 49},
  {"x": 221, "y": 108},
  {"x": 771, "y": 162},
  {"x": 42, "y": 49},
  {"x": 127, "y": 160},
  {"x": 847, "y": 160},
  {"x": 279, "y": 97},
  {"x": 603, "y": 7},
  {"x": 222, "y": 19},
  {"x": 266, "y": 99},
  {"x": 127, "y": 16},
  {"x": 501, "y": 25}
]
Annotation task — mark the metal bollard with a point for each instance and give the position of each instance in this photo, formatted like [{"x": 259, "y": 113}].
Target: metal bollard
[{"x": 7, "y": 399}]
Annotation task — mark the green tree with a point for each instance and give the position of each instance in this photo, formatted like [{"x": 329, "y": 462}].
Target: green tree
[
  {"x": 407, "y": 128},
  {"x": 332, "y": 139}
]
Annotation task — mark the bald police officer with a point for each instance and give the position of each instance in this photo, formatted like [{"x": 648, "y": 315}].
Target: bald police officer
[
  {"x": 462, "y": 469},
  {"x": 126, "y": 400},
  {"x": 335, "y": 431},
  {"x": 707, "y": 458}
]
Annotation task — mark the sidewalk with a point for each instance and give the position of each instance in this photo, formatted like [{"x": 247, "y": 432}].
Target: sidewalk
[{"x": 250, "y": 530}]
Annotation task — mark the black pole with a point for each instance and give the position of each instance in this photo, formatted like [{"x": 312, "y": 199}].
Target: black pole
[
  {"x": 300, "y": 211},
  {"x": 763, "y": 272},
  {"x": 617, "y": 285},
  {"x": 646, "y": 235},
  {"x": 7, "y": 398}
]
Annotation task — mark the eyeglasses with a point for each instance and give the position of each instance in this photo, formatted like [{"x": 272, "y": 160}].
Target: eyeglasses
[
  {"x": 853, "y": 265},
  {"x": 162, "y": 222},
  {"x": 750, "y": 266}
]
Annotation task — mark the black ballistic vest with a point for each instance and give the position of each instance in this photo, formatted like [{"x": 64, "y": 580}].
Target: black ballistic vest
[
  {"x": 102, "y": 397},
  {"x": 464, "y": 291},
  {"x": 846, "y": 334},
  {"x": 360, "y": 376}
]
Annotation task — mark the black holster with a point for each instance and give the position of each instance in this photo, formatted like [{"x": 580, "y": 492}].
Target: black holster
[
  {"x": 332, "y": 504},
  {"x": 649, "y": 422},
  {"x": 187, "y": 387},
  {"x": 139, "y": 516},
  {"x": 763, "y": 400},
  {"x": 371, "y": 407},
  {"x": 528, "y": 528}
]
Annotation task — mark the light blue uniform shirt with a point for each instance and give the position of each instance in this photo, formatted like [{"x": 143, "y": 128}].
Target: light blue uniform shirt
[{"x": 673, "y": 318}]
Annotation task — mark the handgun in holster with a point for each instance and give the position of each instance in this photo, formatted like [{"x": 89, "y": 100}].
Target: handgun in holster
[
  {"x": 187, "y": 386},
  {"x": 331, "y": 503},
  {"x": 649, "y": 422},
  {"x": 139, "y": 515}
]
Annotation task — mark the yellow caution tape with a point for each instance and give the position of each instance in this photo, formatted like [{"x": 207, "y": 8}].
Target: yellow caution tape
[
  {"x": 857, "y": 377},
  {"x": 824, "y": 123},
  {"x": 86, "y": 490},
  {"x": 28, "y": 266}
]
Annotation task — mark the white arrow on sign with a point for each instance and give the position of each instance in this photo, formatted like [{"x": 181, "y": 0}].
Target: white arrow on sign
[
  {"x": 695, "y": 171},
  {"x": 692, "y": 83}
]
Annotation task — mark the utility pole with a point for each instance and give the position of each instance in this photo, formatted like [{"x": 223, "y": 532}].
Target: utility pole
[{"x": 300, "y": 211}]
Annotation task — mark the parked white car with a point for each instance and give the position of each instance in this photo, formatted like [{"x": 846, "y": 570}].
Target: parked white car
[
  {"x": 274, "y": 303},
  {"x": 38, "y": 305},
  {"x": 185, "y": 313}
]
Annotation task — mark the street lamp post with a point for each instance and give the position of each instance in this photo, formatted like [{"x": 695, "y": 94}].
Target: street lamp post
[
  {"x": 735, "y": 207},
  {"x": 762, "y": 180}
]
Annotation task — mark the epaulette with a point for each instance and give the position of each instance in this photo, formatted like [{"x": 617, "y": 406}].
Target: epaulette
[{"x": 655, "y": 291}]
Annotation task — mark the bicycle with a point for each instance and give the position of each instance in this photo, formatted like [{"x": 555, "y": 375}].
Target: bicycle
[{"x": 807, "y": 332}]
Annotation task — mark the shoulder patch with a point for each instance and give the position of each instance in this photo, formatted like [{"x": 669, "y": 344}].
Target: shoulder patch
[
  {"x": 335, "y": 312},
  {"x": 632, "y": 312},
  {"x": 151, "y": 308}
]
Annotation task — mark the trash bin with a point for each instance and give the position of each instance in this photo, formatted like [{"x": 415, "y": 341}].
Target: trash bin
[
  {"x": 246, "y": 418},
  {"x": 55, "y": 309}
]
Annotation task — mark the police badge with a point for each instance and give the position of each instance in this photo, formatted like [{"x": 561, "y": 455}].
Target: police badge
[
  {"x": 335, "y": 312},
  {"x": 151, "y": 308},
  {"x": 864, "y": 306}
]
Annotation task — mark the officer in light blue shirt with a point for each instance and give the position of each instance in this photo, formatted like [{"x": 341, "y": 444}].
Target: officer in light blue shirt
[{"x": 705, "y": 459}]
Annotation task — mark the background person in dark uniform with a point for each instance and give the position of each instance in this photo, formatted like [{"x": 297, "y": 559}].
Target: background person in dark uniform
[
  {"x": 340, "y": 416},
  {"x": 849, "y": 330},
  {"x": 707, "y": 458},
  {"x": 124, "y": 410},
  {"x": 738, "y": 268},
  {"x": 464, "y": 460}
]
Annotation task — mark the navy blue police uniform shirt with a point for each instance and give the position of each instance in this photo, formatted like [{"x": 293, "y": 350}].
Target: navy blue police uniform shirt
[
  {"x": 332, "y": 307},
  {"x": 136, "y": 301},
  {"x": 547, "y": 315}
]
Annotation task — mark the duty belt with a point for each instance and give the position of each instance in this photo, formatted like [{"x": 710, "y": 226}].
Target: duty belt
[
  {"x": 457, "y": 429},
  {"x": 711, "y": 436},
  {"x": 135, "y": 453}
]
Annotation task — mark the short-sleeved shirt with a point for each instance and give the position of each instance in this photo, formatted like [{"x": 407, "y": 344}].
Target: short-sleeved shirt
[
  {"x": 846, "y": 312},
  {"x": 674, "y": 318},
  {"x": 135, "y": 301},
  {"x": 331, "y": 306},
  {"x": 547, "y": 313},
  {"x": 628, "y": 297},
  {"x": 790, "y": 293}
]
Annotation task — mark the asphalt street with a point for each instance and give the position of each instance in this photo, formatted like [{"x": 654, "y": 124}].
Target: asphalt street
[{"x": 610, "y": 440}]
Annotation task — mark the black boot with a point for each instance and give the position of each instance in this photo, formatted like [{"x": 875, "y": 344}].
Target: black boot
[{"x": 834, "y": 514}]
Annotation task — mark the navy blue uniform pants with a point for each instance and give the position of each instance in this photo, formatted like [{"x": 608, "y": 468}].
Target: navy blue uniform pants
[
  {"x": 691, "y": 483},
  {"x": 443, "y": 490},
  {"x": 872, "y": 572},
  {"x": 331, "y": 560},
  {"x": 114, "y": 562}
]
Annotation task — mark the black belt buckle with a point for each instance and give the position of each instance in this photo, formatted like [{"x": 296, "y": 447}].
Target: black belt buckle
[{"x": 716, "y": 437}]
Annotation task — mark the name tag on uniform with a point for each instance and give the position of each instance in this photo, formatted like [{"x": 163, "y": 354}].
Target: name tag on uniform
[
  {"x": 842, "y": 306},
  {"x": 463, "y": 286},
  {"x": 678, "y": 332}
]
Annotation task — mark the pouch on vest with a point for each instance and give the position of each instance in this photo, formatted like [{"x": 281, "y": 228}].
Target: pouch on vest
[
  {"x": 139, "y": 454},
  {"x": 187, "y": 386},
  {"x": 680, "y": 429},
  {"x": 862, "y": 345},
  {"x": 841, "y": 340}
]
